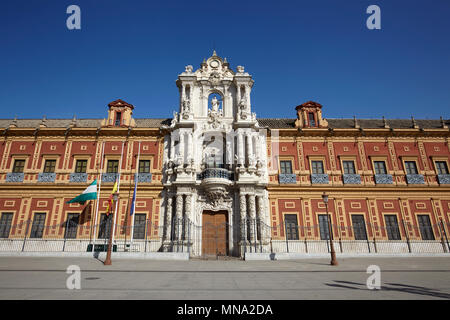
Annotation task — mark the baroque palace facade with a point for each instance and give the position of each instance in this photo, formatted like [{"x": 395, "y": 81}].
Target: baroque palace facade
[{"x": 215, "y": 179}]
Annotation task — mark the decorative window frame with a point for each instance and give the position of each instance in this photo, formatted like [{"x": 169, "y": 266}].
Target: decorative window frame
[
  {"x": 49, "y": 157},
  {"x": 18, "y": 157},
  {"x": 415, "y": 159},
  {"x": 380, "y": 158},
  {"x": 399, "y": 225},
  {"x": 444, "y": 159},
  {"x": 81, "y": 157},
  {"x": 318, "y": 158},
  {"x": 349, "y": 158}
]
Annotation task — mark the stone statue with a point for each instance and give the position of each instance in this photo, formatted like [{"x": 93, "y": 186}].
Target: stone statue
[{"x": 215, "y": 104}]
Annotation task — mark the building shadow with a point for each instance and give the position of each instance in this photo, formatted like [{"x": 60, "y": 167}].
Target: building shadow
[{"x": 393, "y": 287}]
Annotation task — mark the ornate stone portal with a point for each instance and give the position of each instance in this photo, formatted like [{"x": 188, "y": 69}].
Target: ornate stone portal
[{"x": 215, "y": 159}]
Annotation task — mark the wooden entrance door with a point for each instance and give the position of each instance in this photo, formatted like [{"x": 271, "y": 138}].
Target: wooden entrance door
[{"x": 215, "y": 233}]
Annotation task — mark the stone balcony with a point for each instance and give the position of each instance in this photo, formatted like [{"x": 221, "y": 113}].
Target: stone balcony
[
  {"x": 287, "y": 178},
  {"x": 215, "y": 173},
  {"x": 14, "y": 177},
  {"x": 78, "y": 177},
  {"x": 383, "y": 179},
  {"x": 351, "y": 178},
  {"x": 143, "y": 177},
  {"x": 46, "y": 177},
  {"x": 319, "y": 178},
  {"x": 110, "y": 177},
  {"x": 443, "y": 178},
  {"x": 415, "y": 179}
]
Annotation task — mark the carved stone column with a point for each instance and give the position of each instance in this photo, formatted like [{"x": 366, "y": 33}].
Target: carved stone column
[
  {"x": 249, "y": 148},
  {"x": 187, "y": 216},
  {"x": 168, "y": 221},
  {"x": 172, "y": 147},
  {"x": 262, "y": 228},
  {"x": 243, "y": 210},
  {"x": 240, "y": 147},
  {"x": 179, "y": 216},
  {"x": 252, "y": 216},
  {"x": 190, "y": 148},
  {"x": 182, "y": 147}
]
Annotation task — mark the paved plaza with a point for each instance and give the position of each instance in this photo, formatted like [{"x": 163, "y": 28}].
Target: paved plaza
[{"x": 401, "y": 278}]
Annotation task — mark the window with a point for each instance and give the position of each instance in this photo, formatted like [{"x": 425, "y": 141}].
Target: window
[
  {"x": 81, "y": 166},
  {"x": 359, "y": 227},
  {"x": 71, "y": 225},
  {"x": 380, "y": 167},
  {"x": 410, "y": 167},
  {"x": 113, "y": 166},
  {"x": 144, "y": 166},
  {"x": 425, "y": 227},
  {"x": 49, "y": 166},
  {"x": 286, "y": 167},
  {"x": 37, "y": 229},
  {"x": 105, "y": 226},
  {"x": 317, "y": 167},
  {"x": 118, "y": 118},
  {"x": 441, "y": 167},
  {"x": 392, "y": 227},
  {"x": 349, "y": 167},
  {"x": 18, "y": 166},
  {"x": 139, "y": 226},
  {"x": 312, "y": 121},
  {"x": 323, "y": 227},
  {"x": 291, "y": 226},
  {"x": 5, "y": 224}
]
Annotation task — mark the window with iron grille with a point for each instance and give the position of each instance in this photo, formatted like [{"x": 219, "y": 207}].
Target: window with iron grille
[
  {"x": 392, "y": 229},
  {"x": 144, "y": 166},
  {"x": 359, "y": 227},
  {"x": 18, "y": 166},
  {"x": 81, "y": 166},
  {"x": 425, "y": 227},
  {"x": 139, "y": 226},
  {"x": 317, "y": 167},
  {"x": 411, "y": 167},
  {"x": 49, "y": 166},
  {"x": 349, "y": 167},
  {"x": 37, "y": 228},
  {"x": 105, "y": 226},
  {"x": 380, "y": 167},
  {"x": 118, "y": 118},
  {"x": 291, "y": 226},
  {"x": 312, "y": 121},
  {"x": 441, "y": 167},
  {"x": 113, "y": 166},
  {"x": 71, "y": 225},
  {"x": 323, "y": 227},
  {"x": 5, "y": 224},
  {"x": 286, "y": 166}
]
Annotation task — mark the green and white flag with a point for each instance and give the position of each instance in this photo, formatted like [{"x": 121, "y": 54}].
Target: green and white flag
[{"x": 89, "y": 194}]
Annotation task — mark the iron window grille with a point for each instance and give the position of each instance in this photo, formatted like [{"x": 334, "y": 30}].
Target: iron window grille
[
  {"x": 139, "y": 226},
  {"x": 323, "y": 227},
  {"x": 37, "y": 228},
  {"x": 72, "y": 226},
  {"x": 291, "y": 226},
  {"x": 425, "y": 227},
  {"x": 359, "y": 227},
  {"x": 5, "y": 224},
  {"x": 392, "y": 229},
  {"x": 105, "y": 226}
]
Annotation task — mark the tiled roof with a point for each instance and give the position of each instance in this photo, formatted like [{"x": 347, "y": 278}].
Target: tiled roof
[{"x": 271, "y": 123}]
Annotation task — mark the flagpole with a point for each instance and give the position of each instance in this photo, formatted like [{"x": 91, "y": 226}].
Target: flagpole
[
  {"x": 118, "y": 189},
  {"x": 135, "y": 193},
  {"x": 98, "y": 195}
]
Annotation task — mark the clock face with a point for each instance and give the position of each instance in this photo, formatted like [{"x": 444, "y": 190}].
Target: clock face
[{"x": 214, "y": 64}]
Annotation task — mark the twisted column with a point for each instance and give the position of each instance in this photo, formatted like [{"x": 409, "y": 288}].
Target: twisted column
[
  {"x": 252, "y": 214},
  {"x": 243, "y": 209},
  {"x": 187, "y": 215},
  {"x": 179, "y": 216},
  {"x": 168, "y": 217}
]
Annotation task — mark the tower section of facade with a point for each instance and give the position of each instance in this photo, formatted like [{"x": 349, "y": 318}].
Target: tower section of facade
[{"x": 215, "y": 165}]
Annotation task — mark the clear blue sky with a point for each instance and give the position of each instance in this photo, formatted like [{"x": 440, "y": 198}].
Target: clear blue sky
[{"x": 296, "y": 51}]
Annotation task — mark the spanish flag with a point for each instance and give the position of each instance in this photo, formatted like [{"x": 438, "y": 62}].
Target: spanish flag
[{"x": 110, "y": 201}]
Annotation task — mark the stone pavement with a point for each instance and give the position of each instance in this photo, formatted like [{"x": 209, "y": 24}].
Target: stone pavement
[{"x": 401, "y": 278}]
